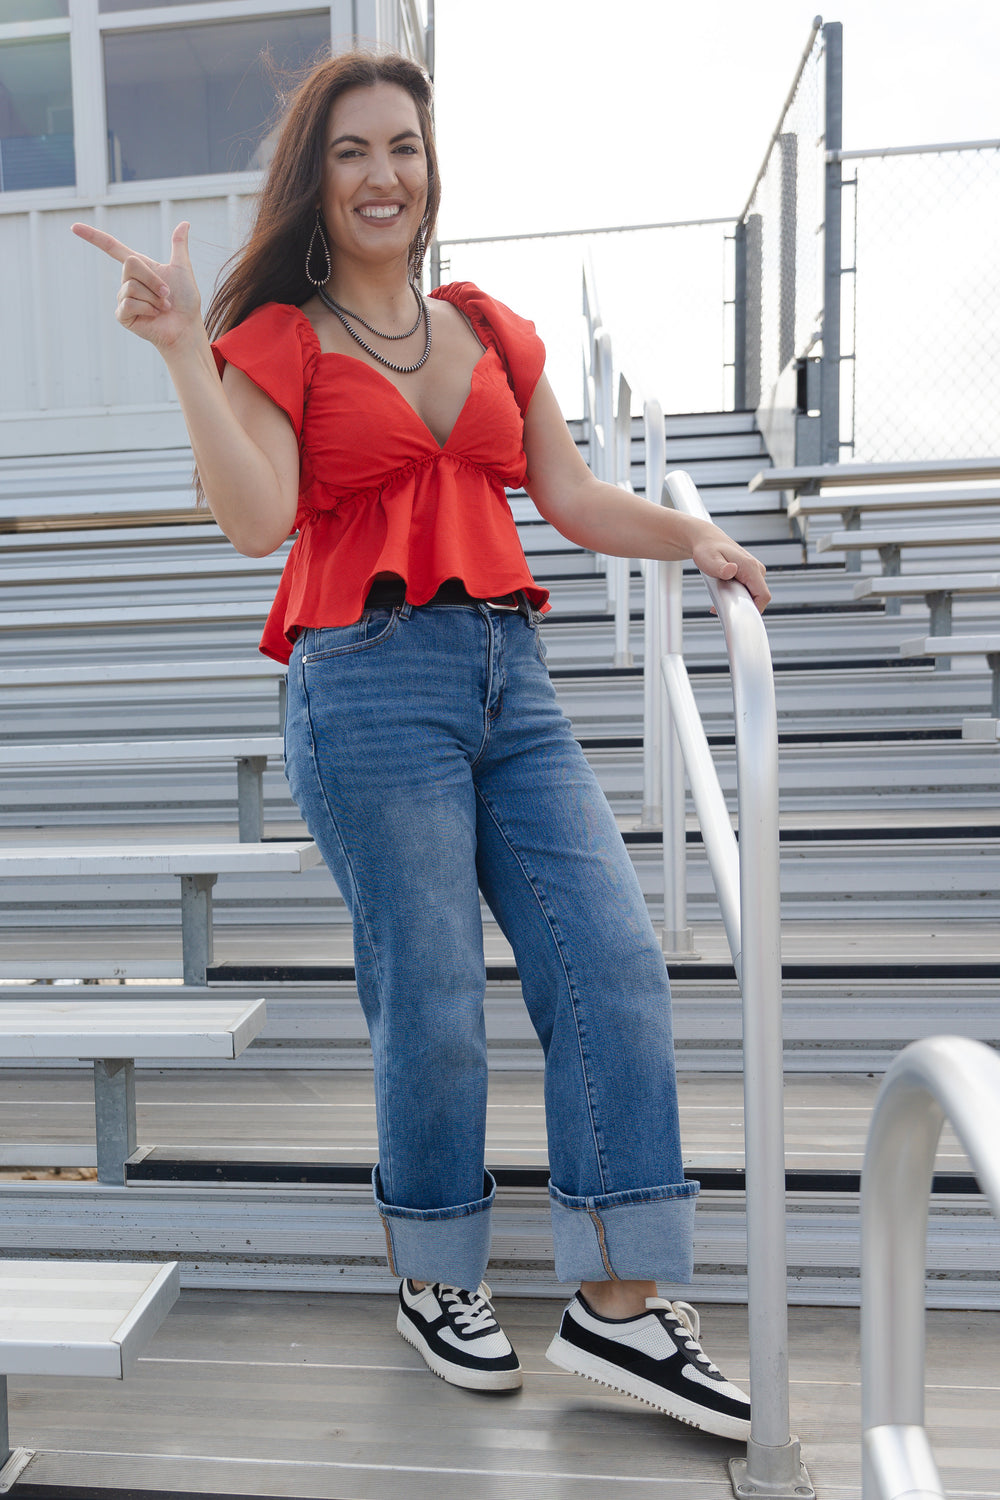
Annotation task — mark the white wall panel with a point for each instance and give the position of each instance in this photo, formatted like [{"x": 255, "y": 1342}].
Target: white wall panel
[
  {"x": 18, "y": 367},
  {"x": 76, "y": 292},
  {"x": 68, "y": 367},
  {"x": 131, "y": 370}
]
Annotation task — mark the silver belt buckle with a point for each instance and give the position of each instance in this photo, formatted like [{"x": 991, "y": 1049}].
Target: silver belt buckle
[{"x": 513, "y": 609}]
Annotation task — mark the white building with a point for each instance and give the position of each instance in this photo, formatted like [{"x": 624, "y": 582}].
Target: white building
[{"x": 133, "y": 115}]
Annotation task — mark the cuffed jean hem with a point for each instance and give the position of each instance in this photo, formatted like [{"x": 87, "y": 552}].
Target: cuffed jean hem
[
  {"x": 451, "y": 1245},
  {"x": 644, "y": 1235}
]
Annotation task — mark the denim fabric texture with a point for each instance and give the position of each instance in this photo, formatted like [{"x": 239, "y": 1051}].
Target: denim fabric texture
[{"x": 431, "y": 762}]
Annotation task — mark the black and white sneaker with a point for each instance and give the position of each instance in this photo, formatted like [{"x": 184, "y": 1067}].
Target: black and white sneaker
[
  {"x": 655, "y": 1357},
  {"x": 458, "y": 1335}
]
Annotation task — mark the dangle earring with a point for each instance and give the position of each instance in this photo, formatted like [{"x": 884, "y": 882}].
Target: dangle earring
[
  {"x": 318, "y": 230},
  {"x": 417, "y": 271}
]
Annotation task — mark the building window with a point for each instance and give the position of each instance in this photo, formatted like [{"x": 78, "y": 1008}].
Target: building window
[
  {"x": 105, "y": 6},
  {"x": 36, "y": 115},
  {"x": 183, "y": 101},
  {"x": 32, "y": 10}
]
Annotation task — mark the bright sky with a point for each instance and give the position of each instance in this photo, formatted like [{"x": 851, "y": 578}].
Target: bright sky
[{"x": 558, "y": 114}]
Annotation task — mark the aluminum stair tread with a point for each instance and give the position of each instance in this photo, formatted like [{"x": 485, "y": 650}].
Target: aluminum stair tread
[{"x": 222, "y": 1354}]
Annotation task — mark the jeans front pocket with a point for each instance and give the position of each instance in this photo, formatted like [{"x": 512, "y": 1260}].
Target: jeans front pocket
[{"x": 321, "y": 642}]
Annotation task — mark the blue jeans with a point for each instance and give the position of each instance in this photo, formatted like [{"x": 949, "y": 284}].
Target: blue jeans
[{"x": 431, "y": 762}]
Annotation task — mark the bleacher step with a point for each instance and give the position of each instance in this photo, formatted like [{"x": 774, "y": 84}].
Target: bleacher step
[{"x": 331, "y": 1239}]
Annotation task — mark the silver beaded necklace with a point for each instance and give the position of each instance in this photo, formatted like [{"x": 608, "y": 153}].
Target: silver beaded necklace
[
  {"x": 339, "y": 307},
  {"x": 344, "y": 313}
]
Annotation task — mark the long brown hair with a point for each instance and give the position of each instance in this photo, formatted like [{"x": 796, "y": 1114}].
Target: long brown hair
[{"x": 271, "y": 266}]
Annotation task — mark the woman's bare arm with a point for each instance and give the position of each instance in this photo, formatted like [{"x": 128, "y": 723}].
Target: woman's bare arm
[
  {"x": 606, "y": 519},
  {"x": 244, "y": 445}
]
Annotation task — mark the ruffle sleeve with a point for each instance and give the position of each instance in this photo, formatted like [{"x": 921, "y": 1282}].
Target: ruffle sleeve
[
  {"x": 277, "y": 347},
  {"x": 513, "y": 337}
]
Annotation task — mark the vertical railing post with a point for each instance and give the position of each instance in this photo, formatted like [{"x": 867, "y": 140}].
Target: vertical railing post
[
  {"x": 833, "y": 42},
  {"x": 740, "y": 318},
  {"x": 753, "y": 325},
  {"x": 603, "y": 456},
  {"x": 678, "y": 939},
  {"x": 773, "y": 1463},
  {"x": 622, "y": 566},
  {"x": 653, "y": 710}
]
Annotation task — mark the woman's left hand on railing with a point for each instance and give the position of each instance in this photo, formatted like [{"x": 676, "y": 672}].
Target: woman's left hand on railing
[{"x": 718, "y": 556}]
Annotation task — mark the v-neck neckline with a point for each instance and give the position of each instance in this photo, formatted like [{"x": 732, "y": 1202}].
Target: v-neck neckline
[{"x": 364, "y": 365}]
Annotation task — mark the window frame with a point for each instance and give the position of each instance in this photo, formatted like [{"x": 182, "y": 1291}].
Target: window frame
[{"x": 85, "y": 27}]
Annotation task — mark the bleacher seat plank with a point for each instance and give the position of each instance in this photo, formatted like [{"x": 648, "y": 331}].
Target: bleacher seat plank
[
  {"x": 141, "y": 672},
  {"x": 26, "y": 861},
  {"x": 112, "y": 1035},
  {"x": 250, "y": 752},
  {"x": 890, "y": 501},
  {"x": 926, "y": 471},
  {"x": 981, "y": 731},
  {"x": 928, "y": 583},
  {"x": 947, "y": 646},
  {"x": 99, "y": 752},
  {"x": 950, "y": 645},
  {"x": 86, "y": 1029},
  {"x": 937, "y": 589},
  {"x": 80, "y": 1317},
  {"x": 877, "y": 539},
  {"x": 197, "y": 865},
  {"x": 227, "y": 564}
]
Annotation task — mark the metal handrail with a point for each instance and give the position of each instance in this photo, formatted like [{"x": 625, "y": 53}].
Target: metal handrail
[
  {"x": 746, "y": 877},
  {"x": 939, "y": 1078},
  {"x": 587, "y": 233}
]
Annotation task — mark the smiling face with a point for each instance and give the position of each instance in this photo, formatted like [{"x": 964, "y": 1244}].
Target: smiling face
[{"x": 374, "y": 187}]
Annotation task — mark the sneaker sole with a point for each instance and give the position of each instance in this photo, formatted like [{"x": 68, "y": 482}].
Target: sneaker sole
[
  {"x": 579, "y": 1362},
  {"x": 473, "y": 1380}
]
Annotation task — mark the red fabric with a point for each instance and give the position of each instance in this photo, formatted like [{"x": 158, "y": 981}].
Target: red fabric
[{"x": 377, "y": 493}]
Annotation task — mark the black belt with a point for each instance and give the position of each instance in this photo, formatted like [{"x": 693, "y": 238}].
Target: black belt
[{"x": 388, "y": 593}]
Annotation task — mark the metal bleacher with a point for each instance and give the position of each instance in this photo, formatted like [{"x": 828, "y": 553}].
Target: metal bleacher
[{"x": 255, "y": 1178}]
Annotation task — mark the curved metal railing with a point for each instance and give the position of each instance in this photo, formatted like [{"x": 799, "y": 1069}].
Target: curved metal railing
[
  {"x": 939, "y": 1078},
  {"x": 746, "y": 874},
  {"x": 747, "y": 883}
]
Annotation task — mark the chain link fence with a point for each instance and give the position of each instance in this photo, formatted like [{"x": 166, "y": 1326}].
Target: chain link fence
[
  {"x": 663, "y": 292},
  {"x": 854, "y": 305},
  {"x": 924, "y": 381}
]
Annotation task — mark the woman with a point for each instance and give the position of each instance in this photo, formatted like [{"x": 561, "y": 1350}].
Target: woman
[{"x": 424, "y": 745}]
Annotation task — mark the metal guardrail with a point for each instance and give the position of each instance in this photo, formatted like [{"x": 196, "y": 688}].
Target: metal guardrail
[
  {"x": 937, "y": 1079},
  {"x": 746, "y": 878},
  {"x": 610, "y": 438},
  {"x": 746, "y": 874}
]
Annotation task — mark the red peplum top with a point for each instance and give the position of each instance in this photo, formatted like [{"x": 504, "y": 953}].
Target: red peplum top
[{"x": 377, "y": 492}]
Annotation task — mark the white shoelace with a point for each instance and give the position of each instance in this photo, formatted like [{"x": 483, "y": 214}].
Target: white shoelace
[
  {"x": 474, "y": 1314},
  {"x": 688, "y": 1318}
]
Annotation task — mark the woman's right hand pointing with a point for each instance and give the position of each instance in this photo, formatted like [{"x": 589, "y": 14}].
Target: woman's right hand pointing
[{"x": 160, "y": 303}]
